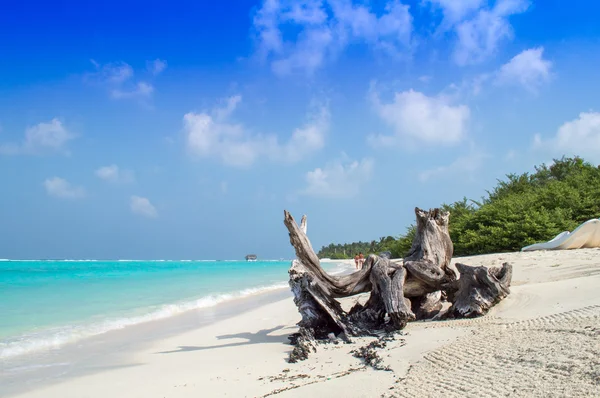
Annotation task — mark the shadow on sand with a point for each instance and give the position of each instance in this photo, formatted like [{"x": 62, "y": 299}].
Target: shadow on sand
[{"x": 262, "y": 336}]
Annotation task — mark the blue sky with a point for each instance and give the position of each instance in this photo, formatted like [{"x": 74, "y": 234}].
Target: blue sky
[{"x": 183, "y": 129}]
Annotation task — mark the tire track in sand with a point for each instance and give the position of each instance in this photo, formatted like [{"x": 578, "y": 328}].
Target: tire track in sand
[{"x": 551, "y": 356}]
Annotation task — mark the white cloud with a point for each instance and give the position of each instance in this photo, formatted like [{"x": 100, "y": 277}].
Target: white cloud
[
  {"x": 461, "y": 167},
  {"x": 61, "y": 188},
  {"x": 338, "y": 179},
  {"x": 214, "y": 134},
  {"x": 51, "y": 136},
  {"x": 140, "y": 90},
  {"x": 478, "y": 82},
  {"x": 479, "y": 28},
  {"x": 527, "y": 68},
  {"x": 456, "y": 10},
  {"x": 113, "y": 173},
  {"x": 114, "y": 73},
  {"x": 580, "y": 137},
  {"x": 119, "y": 80},
  {"x": 416, "y": 117},
  {"x": 157, "y": 66},
  {"x": 304, "y": 35},
  {"x": 231, "y": 103},
  {"x": 142, "y": 206}
]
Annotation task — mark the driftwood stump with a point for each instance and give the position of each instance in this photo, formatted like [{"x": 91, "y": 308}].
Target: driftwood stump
[{"x": 400, "y": 292}]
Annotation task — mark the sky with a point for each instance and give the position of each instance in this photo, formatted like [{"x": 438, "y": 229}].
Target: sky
[{"x": 183, "y": 129}]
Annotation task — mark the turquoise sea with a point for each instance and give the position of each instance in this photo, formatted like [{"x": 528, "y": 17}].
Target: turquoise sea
[{"x": 45, "y": 304}]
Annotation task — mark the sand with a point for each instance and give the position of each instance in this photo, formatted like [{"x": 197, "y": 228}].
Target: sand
[{"x": 543, "y": 340}]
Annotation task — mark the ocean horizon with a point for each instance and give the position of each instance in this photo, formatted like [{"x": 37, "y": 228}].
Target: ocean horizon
[{"x": 49, "y": 303}]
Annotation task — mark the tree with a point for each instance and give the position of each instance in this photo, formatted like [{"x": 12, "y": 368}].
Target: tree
[{"x": 521, "y": 210}]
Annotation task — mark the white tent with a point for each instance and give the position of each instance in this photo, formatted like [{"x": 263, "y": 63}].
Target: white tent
[{"x": 585, "y": 235}]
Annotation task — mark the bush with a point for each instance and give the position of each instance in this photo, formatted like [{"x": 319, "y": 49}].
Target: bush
[{"x": 520, "y": 211}]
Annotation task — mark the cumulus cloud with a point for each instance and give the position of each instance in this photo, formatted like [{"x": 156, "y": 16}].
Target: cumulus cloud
[
  {"x": 528, "y": 68},
  {"x": 416, "y": 117},
  {"x": 304, "y": 35},
  {"x": 157, "y": 66},
  {"x": 45, "y": 137},
  {"x": 119, "y": 79},
  {"x": 338, "y": 179},
  {"x": 462, "y": 166},
  {"x": 479, "y": 37},
  {"x": 478, "y": 26},
  {"x": 142, "y": 207},
  {"x": 113, "y": 173},
  {"x": 61, "y": 188},
  {"x": 114, "y": 72},
  {"x": 456, "y": 10},
  {"x": 580, "y": 136},
  {"x": 215, "y": 134},
  {"x": 140, "y": 90}
]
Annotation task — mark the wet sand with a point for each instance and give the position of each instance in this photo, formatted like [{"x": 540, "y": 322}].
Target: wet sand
[{"x": 542, "y": 340}]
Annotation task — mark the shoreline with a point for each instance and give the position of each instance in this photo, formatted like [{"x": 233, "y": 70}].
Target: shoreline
[
  {"x": 53, "y": 337},
  {"x": 111, "y": 349},
  {"x": 521, "y": 345}
]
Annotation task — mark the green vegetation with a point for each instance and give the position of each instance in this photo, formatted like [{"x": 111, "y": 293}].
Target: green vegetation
[
  {"x": 349, "y": 250},
  {"x": 519, "y": 211}
]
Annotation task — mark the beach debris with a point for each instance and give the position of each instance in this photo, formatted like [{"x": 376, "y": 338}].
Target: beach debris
[
  {"x": 305, "y": 380},
  {"x": 413, "y": 288},
  {"x": 304, "y": 343},
  {"x": 285, "y": 376},
  {"x": 370, "y": 355}
]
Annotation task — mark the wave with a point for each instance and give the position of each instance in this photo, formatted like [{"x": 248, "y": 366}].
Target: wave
[
  {"x": 341, "y": 268},
  {"x": 57, "y": 337}
]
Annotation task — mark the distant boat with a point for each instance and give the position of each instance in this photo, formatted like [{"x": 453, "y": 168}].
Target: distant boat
[{"x": 251, "y": 257}]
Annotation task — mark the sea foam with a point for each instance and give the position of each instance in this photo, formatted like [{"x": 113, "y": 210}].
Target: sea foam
[
  {"x": 44, "y": 336},
  {"x": 53, "y": 338}
]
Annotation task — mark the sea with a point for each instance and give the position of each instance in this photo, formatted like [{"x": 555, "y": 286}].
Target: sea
[{"x": 47, "y": 304}]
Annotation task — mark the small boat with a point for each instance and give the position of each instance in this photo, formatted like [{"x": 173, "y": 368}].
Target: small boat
[{"x": 251, "y": 257}]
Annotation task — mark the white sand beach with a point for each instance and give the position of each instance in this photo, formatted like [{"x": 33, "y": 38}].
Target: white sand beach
[{"x": 543, "y": 340}]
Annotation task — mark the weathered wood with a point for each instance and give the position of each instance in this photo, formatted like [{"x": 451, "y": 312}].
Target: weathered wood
[
  {"x": 335, "y": 286},
  {"x": 391, "y": 291},
  {"x": 399, "y": 291},
  {"x": 427, "y": 306},
  {"x": 478, "y": 289},
  {"x": 431, "y": 252}
]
